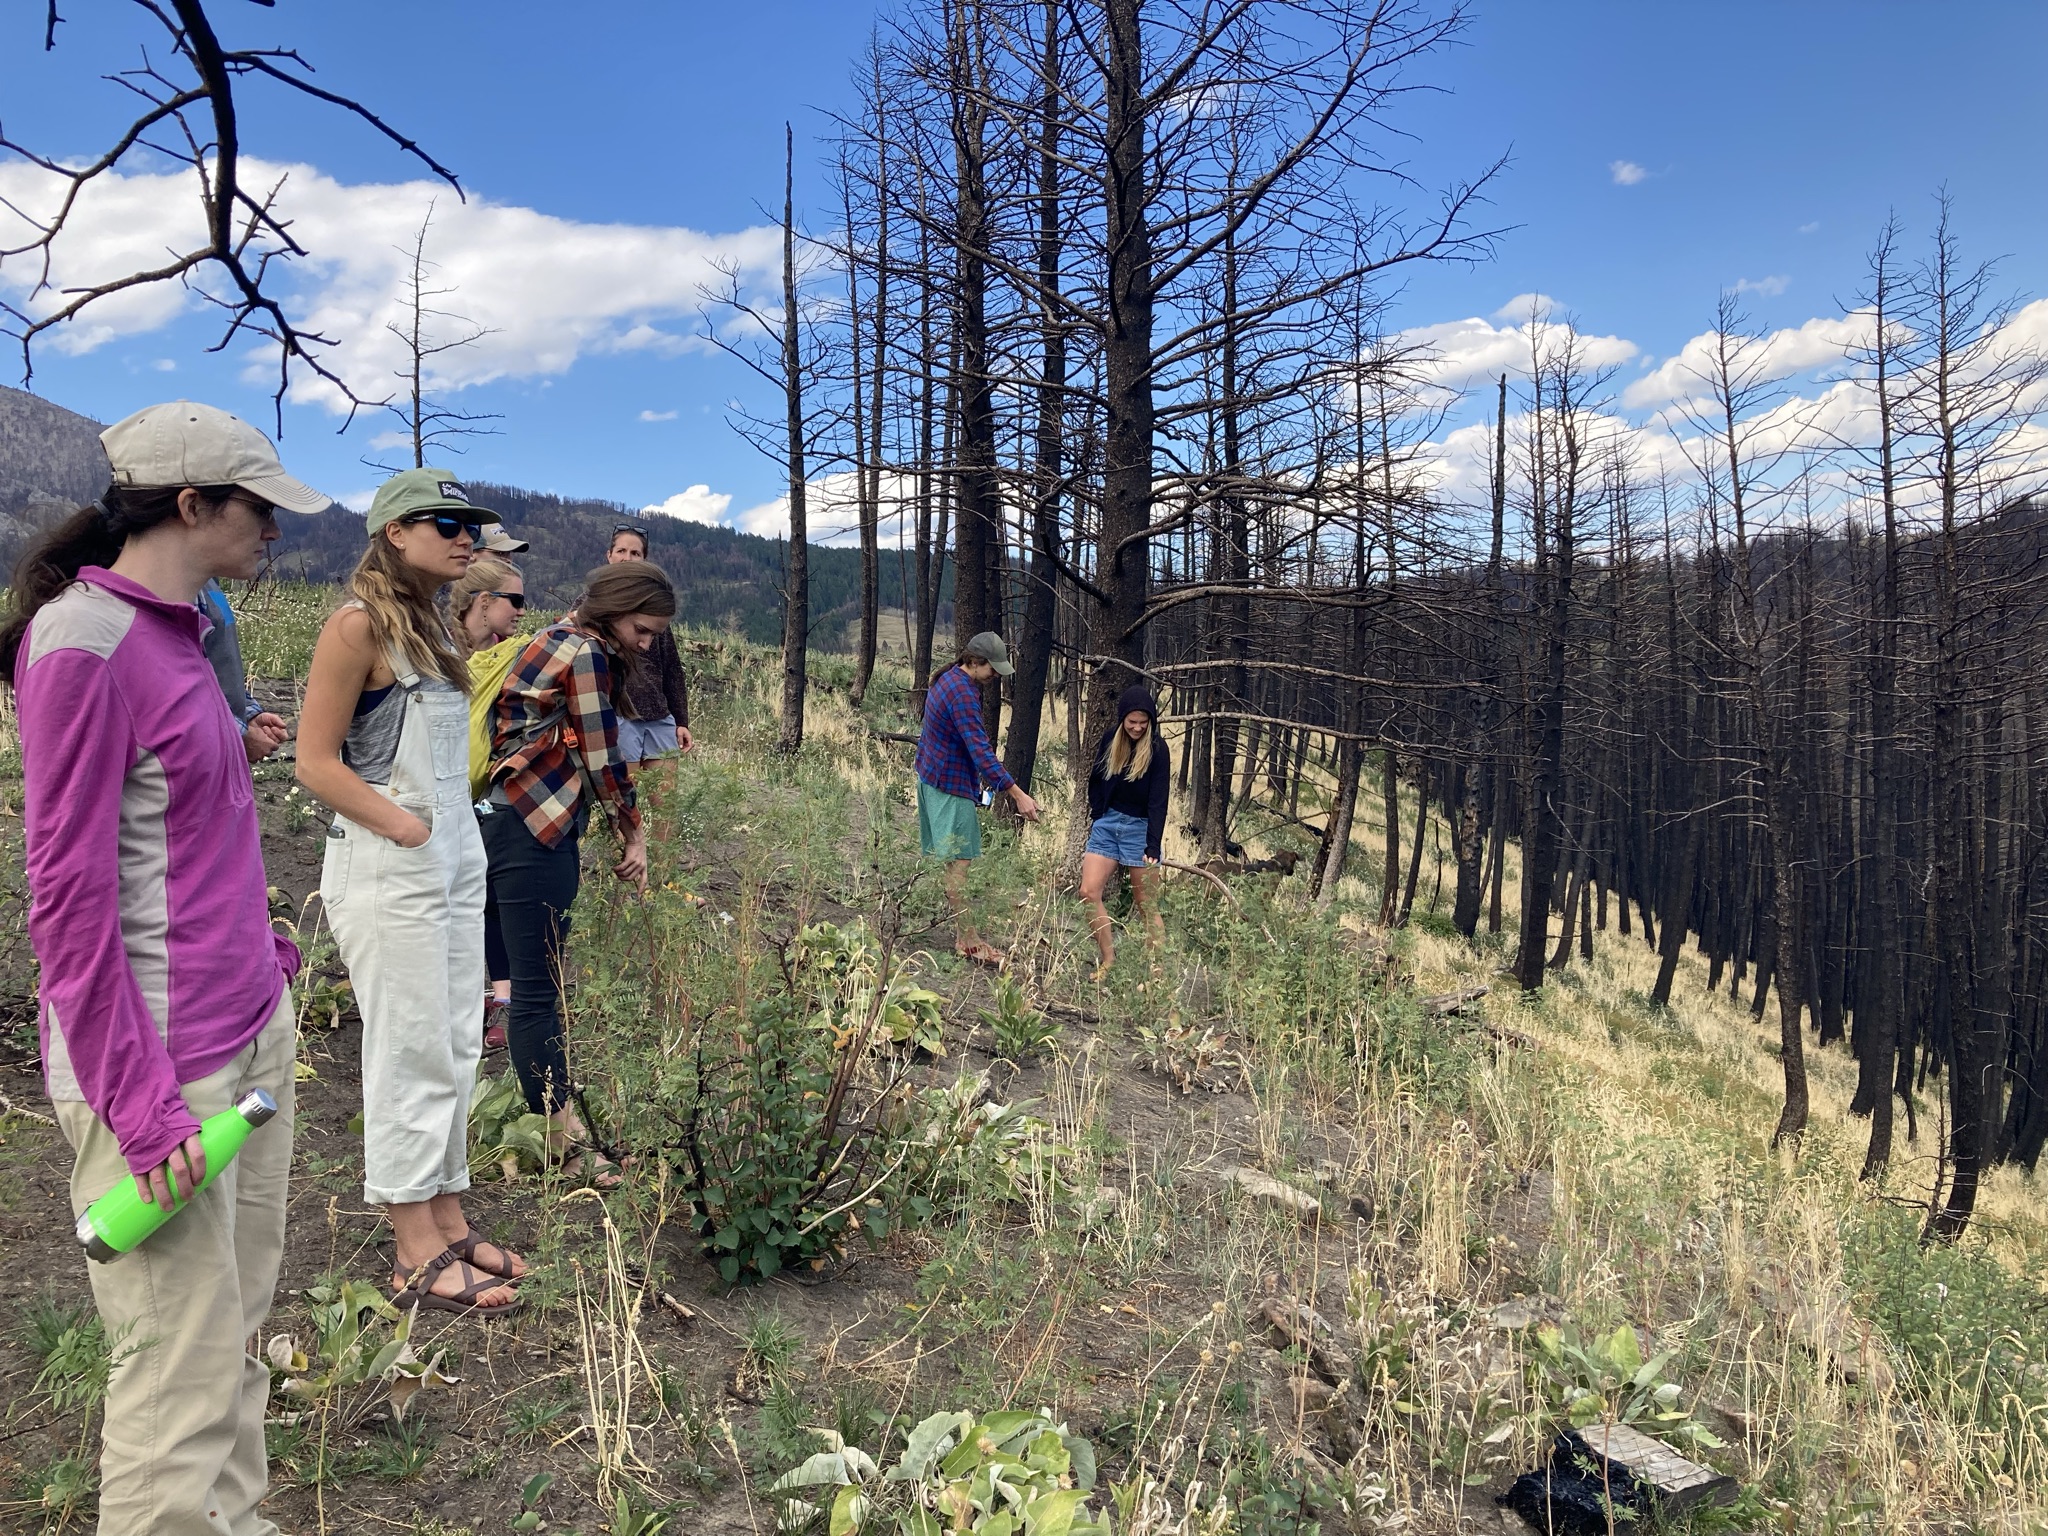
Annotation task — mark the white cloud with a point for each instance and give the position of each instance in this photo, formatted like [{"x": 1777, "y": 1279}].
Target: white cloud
[
  {"x": 1524, "y": 306},
  {"x": 550, "y": 290},
  {"x": 1818, "y": 343},
  {"x": 698, "y": 504},
  {"x": 1461, "y": 352},
  {"x": 165, "y": 365},
  {"x": 1626, "y": 173},
  {"x": 1809, "y": 227},
  {"x": 657, "y": 415},
  {"x": 1769, "y": 287},
  {"x": 832, "y": 511}
]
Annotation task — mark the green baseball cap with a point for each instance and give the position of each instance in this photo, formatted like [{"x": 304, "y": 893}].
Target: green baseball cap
[
  {"x": 988, "y": 645},
  {"x": 424, "y": 490}
]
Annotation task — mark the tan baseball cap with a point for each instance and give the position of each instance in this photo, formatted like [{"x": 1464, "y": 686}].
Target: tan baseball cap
[
  {"x": 182, "y": 442},
  {"x": 499, "y": 542}
]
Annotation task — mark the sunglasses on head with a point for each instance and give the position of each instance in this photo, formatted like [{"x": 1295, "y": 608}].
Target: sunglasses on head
[
  {"x": 516, "y": 599},
  {"x": 447, "y": 526},
  {"x": 632, "y": 528}
]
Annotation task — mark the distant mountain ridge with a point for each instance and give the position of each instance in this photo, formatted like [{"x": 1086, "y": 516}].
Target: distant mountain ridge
[{"x": 51, "y": 461}]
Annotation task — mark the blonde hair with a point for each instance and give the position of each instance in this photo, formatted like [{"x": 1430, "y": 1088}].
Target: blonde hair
[
  {"x": 1129, "y": 759},
  {"x": 403, "y": 618},
  {"x": 486, "y": 573}
]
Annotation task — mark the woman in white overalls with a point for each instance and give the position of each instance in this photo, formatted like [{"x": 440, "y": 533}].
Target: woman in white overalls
[{"x": 384, "y": 742}]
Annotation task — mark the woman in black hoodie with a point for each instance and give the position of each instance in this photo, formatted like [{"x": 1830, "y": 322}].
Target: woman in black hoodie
[{"x": 1127, "y": 797}]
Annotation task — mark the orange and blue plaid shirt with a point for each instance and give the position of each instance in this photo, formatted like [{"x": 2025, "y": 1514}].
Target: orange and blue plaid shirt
[
  {"x": 953, "y": 753},
  {"x": 554, "y": 726}
]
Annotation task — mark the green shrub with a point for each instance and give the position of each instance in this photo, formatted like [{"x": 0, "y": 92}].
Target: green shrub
[
  {"x": 1005, "y": 1474},
  {"x": 1969, "y": 1334},
  {"x": 1022, "y": 1033}
]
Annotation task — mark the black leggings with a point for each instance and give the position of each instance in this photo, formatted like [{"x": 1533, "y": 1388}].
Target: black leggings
[{"x": 533, "y": 888}]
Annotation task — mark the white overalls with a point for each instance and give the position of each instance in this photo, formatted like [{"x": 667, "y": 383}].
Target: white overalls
[{"x": 410, "y": 926}]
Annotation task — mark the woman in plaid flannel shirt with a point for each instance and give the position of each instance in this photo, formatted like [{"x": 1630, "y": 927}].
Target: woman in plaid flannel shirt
[{"x": 555, "y": 749}]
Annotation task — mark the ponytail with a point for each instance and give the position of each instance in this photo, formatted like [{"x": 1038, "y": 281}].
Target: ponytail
[{"x": 90, "y": 536}]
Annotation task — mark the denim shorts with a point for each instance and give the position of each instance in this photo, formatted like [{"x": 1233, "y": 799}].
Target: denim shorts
[
  {"x": 1118, "y": 836},
  {"x": 641, "y": 739}
]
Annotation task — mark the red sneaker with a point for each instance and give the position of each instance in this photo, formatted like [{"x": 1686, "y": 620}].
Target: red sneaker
[{"x": 496, "y": 1016}]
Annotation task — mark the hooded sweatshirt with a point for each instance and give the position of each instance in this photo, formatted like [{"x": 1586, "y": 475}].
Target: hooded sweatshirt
[
  {"x": 150, "y": 914},
  {"x": 1145, "y": 797}
]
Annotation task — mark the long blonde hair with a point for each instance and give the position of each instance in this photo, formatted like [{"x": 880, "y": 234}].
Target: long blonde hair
[
  {"x": 402, "y": 614},
  {"x": 1130, "y": 759},
  {"x": 486, "y": 573}
]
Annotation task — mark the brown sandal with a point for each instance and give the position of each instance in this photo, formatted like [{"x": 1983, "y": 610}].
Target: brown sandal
[
  {"x": 465, "y": 1247},
  {"x": 418, "y": 1291}
]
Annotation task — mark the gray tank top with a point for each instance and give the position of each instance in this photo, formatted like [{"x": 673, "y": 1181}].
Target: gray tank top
[{"x": 371, "y": 745}]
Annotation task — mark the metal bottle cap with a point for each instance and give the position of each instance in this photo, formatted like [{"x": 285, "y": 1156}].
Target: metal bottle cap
[
  {"x": 256, "y": 1107},
  {"x": 95, "y": 1246}
]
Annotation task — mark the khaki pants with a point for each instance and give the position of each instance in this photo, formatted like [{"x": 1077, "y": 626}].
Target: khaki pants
[{"x": 182, "y": 1451}]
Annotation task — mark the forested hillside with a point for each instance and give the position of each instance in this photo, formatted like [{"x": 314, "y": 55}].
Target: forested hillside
[
  {"x": 725, "y": 579},
  {"x": 50, "y": 460}
]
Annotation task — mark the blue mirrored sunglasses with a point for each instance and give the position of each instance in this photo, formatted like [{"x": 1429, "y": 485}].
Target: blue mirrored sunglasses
[{"x": 447, "y": 525}]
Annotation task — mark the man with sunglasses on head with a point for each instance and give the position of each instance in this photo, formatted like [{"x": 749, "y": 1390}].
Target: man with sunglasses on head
[{"x": 654, "y": 716}]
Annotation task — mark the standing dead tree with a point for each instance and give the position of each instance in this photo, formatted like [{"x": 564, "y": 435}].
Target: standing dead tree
[{"x": 430, "y": 422}]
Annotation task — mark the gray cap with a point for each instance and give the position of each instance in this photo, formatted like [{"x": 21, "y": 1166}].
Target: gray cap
[
  {"x": 181, "y": 443},
  {"x": 988, "y": 645}
]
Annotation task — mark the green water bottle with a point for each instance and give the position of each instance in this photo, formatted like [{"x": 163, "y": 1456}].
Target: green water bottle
[{"x": 121, "y": 1220}]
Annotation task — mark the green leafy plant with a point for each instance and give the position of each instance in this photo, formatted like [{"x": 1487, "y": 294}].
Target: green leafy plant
[
  {"x": 632, "y": 1518},
  {"x": 794, "y": 1134},
  {"x": 531, "y": 1417},
  {"x": 1022, "y": 1033},
  {"x": 504, "y": 1133},
  {"x": 843, "y": 971},
  {"x": 1004, "y": 1474},
  {"x": 1606, "y": 1380},
  {"x": 360, "y": 1341},
  {"x": 967, "y": 1146},
  {"x": 64, "y": 1486},
  {"x": 528, "y": 1518},
  {"x": 1189, "y": 1058}
]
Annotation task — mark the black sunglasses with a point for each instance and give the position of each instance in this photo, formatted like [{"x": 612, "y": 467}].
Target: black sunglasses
[
  {"x": 633, "y": 528},
  {"x": 516, "y": 599},
  {"x": 447, "y": 526}
]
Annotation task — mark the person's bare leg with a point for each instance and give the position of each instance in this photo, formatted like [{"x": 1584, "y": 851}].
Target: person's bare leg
[
  {"x": 1145, "y": 895},
  {"x": 1097, "y": 871},
  {"x": 420, "y": 1242},
  {"x": 454, "y": 1226},
  {"x": 966, "y": 937}
]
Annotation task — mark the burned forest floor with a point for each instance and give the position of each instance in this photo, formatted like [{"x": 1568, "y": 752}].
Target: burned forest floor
[{"x": 1293, "y": 1231}]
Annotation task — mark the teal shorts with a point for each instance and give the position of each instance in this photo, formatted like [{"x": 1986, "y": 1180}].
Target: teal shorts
[{"x": 948, "y": 826}]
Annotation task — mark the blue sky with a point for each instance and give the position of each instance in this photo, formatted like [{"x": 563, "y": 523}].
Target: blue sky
[{"x": 1658, "y": 153}]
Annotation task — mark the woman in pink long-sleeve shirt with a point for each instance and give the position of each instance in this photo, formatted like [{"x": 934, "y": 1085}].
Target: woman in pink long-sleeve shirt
[{"x": 164, "y": 989}]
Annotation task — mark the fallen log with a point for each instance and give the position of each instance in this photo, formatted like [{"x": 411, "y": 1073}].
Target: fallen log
[
  {"x": 1447, "y": 1004},
  {"x": 1190, "y": 869}
]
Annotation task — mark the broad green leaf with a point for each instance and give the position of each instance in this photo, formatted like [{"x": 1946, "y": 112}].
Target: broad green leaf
[
  {"x": 1083, "y": 1456},
  {"x": 1623, "y": 1350},
  {"x": 1052, "y": 1514},
  {"x": 826, "y": 1467},
  {"x": 849, "y": 1513},
  {"x": 1651, "y": 1369},
  {"x": 931, "y": 1439}
]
